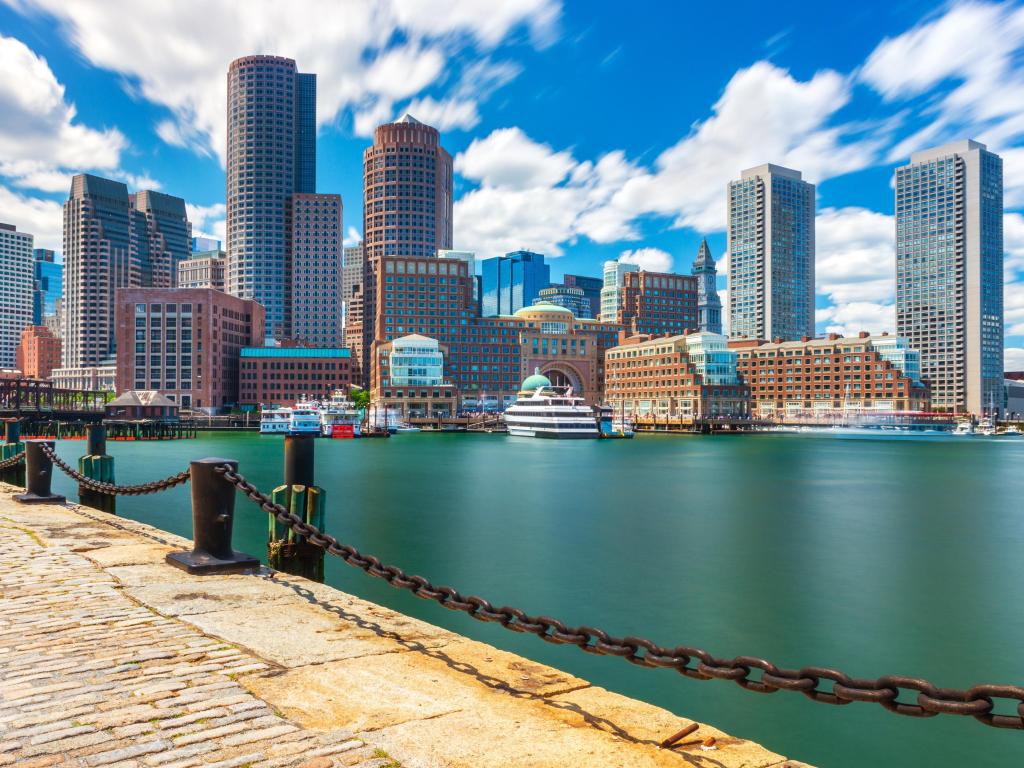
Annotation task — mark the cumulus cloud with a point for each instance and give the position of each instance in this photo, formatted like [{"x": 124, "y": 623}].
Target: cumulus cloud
[
  {"x": 369, "y": 54},
  {"x": 42, "y": 218},
  {"x": 648, "y": 259},
  {"x": 856, "y": 316},
  {"x": 353, "y": 237},
  {"x": 207, "y": 220},
  {"x": 1013, "y": 359}
]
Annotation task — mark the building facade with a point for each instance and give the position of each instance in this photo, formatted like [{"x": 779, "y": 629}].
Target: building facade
[
  {"x": 38, "y": 352},
  {"x": 17, "y": 283},
  {"x": 48, "y": 288},
  {"x": 832, "y": 377},
  {"x": 351, "y": 273},
  {"x": 611, "y": 289},
  {"x": 657, "y": 303},
  {"x": 470, "y": 258},
  {"x": 687, "y": 378},
  {"x": 771, "y": 254},
  {"x": 314, "y": 296},
  {"x": 271, "y": 154},
  {"x": 205, "y": 244},
  {"x": 204, "y": 269},
  {"x": 184, "y": 343},
  {"x": 572, "y": 299},
  {"x": 591, "y": 287},
  {"x": 162, "y": 236},
  {"x": 709, "y": 305},
  {"x": 284, "y": 376},
  {"x": 413, "y": 383},
  {"x": 949, "y": 272},
  {"x": 510, "y": 282}
]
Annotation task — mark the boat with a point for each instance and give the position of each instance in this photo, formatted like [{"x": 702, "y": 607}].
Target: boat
[
  {"x": 305, "y": 419},
  {"x": 1013, "y": 430},
  {"x": 544, "y": 410},
  {"x": 275, "y": 421},
  {"x": 964, "y": 428},
  {"x": 612, "y": 425},
  {"x": 986, "y": 427},
  {"x": 406, "y": 428},
  {"x": 339, "y": 417}
]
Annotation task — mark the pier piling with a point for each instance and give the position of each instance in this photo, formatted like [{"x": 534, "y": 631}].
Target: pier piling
[
  {"x": 38, "y": 474},
  {"x": 97, "y": 465},
  {"x": 12, "y": 447},
  {"x": 285, "y": 551}
]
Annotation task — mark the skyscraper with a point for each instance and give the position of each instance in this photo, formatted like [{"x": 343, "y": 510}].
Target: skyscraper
[
  {"x": 16, "y": 284},
  {"x": 271, "y": 154},
  {"x": 771, "y": 254},
  {"x": 314, "y": 293},
  {"x": 111, "y": 242},
  {"x": 591, "y": 287},
  {"x": 510, "y": 282},
  {"x": 49, "y": 277},
  {"x": 709, "y": 306},
  {"x": 949, "y": 272},
  {"x": 611, "y": 293}
]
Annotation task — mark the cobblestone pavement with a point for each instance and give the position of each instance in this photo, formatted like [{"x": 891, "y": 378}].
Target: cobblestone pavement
[{"x": 91, "y": 678}]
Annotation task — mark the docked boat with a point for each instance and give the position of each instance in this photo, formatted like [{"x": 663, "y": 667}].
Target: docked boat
[
  {"x": 544, "y": 410},
  {"x": 339, "y": 417},
  {"x": 963, "y": 428},
  {"x": 614, "y": 425},
  {"x": 1012, "y": 430},
  {"x": 305, "y": 419},
  {"x": 275, "y": 422},
  {"x": 986, "y": 427}
]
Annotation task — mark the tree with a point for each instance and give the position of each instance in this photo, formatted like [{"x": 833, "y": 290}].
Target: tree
[{"x": 360, "y": 397}]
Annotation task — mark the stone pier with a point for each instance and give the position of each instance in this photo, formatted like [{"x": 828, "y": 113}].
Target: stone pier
[{"x": 109, "y": 657}]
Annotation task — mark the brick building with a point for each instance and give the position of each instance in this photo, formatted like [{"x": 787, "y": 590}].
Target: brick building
[
  {"x": 820, "y": 379},
  {"x": 283, "y": 376},
  {"x": 314, "y": 297},
  {"x": 657, "y": 303},
  {"x": 202, "y": 270},
  {"x": 691, "y": 376},
  {"x": 38, "y": 352},
  {"x": 184, "y": 343}
]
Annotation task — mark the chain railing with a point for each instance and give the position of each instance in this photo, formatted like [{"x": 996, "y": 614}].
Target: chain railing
[
  {"x": 13, "y": 461},
  {"x": 112, "y": 489},
  {"x": 821, "y": 684}
]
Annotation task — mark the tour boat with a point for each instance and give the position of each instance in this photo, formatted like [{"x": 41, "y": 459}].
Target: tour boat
[
  {"x": 544, "y": 410},
  {"x": 275, "y": 422},
  {"x": 305, "y": 419},
  {"x": 340, "y": 418}
]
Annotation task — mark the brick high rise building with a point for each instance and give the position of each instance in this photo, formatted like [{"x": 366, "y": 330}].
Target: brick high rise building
[
  {"x": 657, "y": 303},
  {"x": 16, "y": 289},
  {"x": 202, "y": 270},
  {"x": 314, "y": 291},
  {"x": 271, "y": 154},
  {"x": 38, "y": 353}
]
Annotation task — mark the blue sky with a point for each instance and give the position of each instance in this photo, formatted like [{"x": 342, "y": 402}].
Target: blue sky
[{"x": 584, "y": 130}]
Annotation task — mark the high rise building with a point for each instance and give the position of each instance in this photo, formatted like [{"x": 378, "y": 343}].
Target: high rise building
[
  {"x": 314, "y": 291},
  {"x": 16, "y": 289},
  {"x": 351, "y": 273},
  {"x": 271, "y": 154},
  {"x": 407, "y": 210},
  {"x": 49, "y": 277},
  {"x": 38, "y": 352},
  {"x": 709, "y": 306},
  {"x": 470, "y": 258},
  {"x": 205, "y": 244},
  {"x": 113, "y": 240},
  {"x": 611, "y": 293},
  {"x": 511, "y": 282},
  {"x": 591, "y": 287},
  {"x": 657, "y": 303},
  {"x": 204, "y": 269},
  {"x": 771, "y": 254},
  {"x": 566, "y": 296},
  {"x": 949, "y": 272}
]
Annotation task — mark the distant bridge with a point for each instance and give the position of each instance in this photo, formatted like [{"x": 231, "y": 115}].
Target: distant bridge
[{"x": 33, "y": 397}]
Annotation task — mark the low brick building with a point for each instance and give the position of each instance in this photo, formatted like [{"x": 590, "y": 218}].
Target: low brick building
[
  {"x": 283, "y": 376},
  {"x": 38, "y": 352}
]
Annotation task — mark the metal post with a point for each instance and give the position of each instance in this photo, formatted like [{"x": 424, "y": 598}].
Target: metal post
[
  {"x": 97, "y": 466},
  {"x": 213, "y": 512},
  {"x": 285, "y": 551},
  {"x": 11, "y": 448},
  {"x": 38, "y": 473}
]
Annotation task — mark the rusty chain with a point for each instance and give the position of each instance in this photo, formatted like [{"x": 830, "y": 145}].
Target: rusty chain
[
  {"x": 13, "y": 461},
  {"x": 112, "y": 489},
  {"x": 821, "y": 684}
]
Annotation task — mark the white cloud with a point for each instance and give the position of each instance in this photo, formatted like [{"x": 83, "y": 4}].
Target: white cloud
[
  {"x": 850, "y": 319},
  {"x": 1013, "y": 359},
  {"x": 352, "y": 237},
  {"x": 648, "y": 259},
  {"x": 42, "y": 218},
  {"x": 207, "y": 220},
  {"x": 445, "y": 114},
  {"x": 367, "y": 54},
  {"x": 510, "y": 159},
  {"x": 1013, "y": 308},
  {"x": 856, "y": 258}
]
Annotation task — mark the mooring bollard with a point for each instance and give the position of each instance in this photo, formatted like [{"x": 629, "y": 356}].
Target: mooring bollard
[
  {"x": 213, "y": 512},
  {"x": 285, "y": 551},
  {"x": 38, "y": 474},
  {"x": 96, "y": 465}
]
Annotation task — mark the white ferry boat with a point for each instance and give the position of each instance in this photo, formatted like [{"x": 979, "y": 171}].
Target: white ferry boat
[
  {"x": 339, "y": 417},
  {"x": 543, "y": 410},
  {"x": 305, "y": 419},
  {"x": 275, "y": 422}
]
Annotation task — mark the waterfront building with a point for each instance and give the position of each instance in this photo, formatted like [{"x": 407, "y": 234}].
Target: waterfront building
[
  {"x": 16, "y": 289},
  {"x": 510, "y": 282},
  {"x": 709, "y": 305},
  {"x": 48, "y": 287},
  {"x": 832, "y": 377},
  {"x": 113, "y": 239},
  {"x": 412, "y": 381},
  {"x": 591, "y": 287},
  {"x": 94, "y": 378},
  {"x": 271, "y": 154},
  {"x": 657, "y": 303},
  {"x": 470, "y": 258},
  {"x": 771, "y": 254},
  {"x": 686, "y": 377},
  {"x": 572, "y": 299},
  {"x": 949, "y": 272},
  {"x": 284, "y": 376},
  {"x": 1013, "y": 399},
  {"x": 38, "y": 352},
  {"x": 205, "y": 245},
  {"x": 184, "y": 343},
  {"x": 314, "y": 312},
  {"x": 407, "y": 211},
  {"x": 611, "y": 289},
  {"x": 204, "y": 269},
  {"x": 133, "y": 405}
]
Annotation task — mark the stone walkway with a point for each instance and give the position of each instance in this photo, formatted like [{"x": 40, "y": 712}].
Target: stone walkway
[{"x": 110, "y": 657}]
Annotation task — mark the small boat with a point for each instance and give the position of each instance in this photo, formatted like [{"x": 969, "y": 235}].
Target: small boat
[
  {"x": 614, "y": 426},
  {"x": 986, "y": 427},
  {"x": 406, "y": 428},
  {"x": 275, "y": 421},
  {"x": 963, "y": 428},
  {"x": 1012, "y": 430}
]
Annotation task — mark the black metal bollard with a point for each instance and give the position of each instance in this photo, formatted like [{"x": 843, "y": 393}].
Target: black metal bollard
[
  {"x": 213, "y": 512},
  {"x": 38, "y": 474},
  {"x": 286, "y": 551}
]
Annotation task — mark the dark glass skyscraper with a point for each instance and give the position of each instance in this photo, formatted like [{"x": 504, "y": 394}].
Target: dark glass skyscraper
[
  {"x": 271, "y": 154},
  {"x": 512, "y": 281},
  {"x": 49, "y": 275}
]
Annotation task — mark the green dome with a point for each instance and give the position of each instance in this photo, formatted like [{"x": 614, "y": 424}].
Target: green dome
[
  {"x": 535, "y": 382},
  {"x": 542, "y": 306}
]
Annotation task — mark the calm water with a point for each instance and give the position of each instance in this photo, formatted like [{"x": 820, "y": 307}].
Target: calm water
[{"x": 875, "y": 556}]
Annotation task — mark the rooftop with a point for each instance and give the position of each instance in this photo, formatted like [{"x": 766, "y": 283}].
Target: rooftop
[{"x": 310, "y": 352}]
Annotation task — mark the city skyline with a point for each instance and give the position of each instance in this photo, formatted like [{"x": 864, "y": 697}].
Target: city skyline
[{"x": 834, "y": 112}]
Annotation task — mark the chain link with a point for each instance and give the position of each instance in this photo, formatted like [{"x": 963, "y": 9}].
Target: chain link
[
  {"x": 13, "y": 461},
  {"x": 828, "y": 686},
  {"x": 112, "y": 489}
]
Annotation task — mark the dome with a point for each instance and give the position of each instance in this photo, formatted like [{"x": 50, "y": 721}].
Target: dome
[
  {"x": 535, "y": 382},
  {"x": 542, "y": 306}
]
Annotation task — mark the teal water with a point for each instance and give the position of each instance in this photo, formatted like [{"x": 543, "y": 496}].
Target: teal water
[{"x": 875, "y": 556}]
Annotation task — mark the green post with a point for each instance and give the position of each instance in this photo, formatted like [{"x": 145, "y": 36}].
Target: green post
[
  {"x": 96, "y": 465},
  {"x": 11, "y": 447},
  {"x": 286, "y": 551}
]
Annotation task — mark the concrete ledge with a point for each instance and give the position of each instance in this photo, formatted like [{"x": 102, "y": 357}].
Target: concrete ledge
[{"x": 330, "y": 662}]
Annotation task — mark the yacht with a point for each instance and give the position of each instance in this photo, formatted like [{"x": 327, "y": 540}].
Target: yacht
[
  {"x": 986, "y": 427},
  {"x": 276, "y": 421},
  {"x": 339, "y": 417},
  {"x": 964, "y": 428},
  {"x": 544, "y": 410},
  {"x": 1013, "y": 429}
]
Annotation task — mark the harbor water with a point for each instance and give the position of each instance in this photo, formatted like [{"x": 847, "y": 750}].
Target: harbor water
[{"x": 873, "y": 553}]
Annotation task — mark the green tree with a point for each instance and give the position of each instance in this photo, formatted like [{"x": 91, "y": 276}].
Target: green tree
[{"x": 360, "y": 397}]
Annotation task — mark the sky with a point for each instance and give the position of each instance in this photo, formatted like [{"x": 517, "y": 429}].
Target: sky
[{"x": 583, "y": 129}]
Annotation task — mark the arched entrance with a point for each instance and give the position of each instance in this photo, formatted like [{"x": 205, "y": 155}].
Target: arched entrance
[{"x": 561, "y": 375}]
